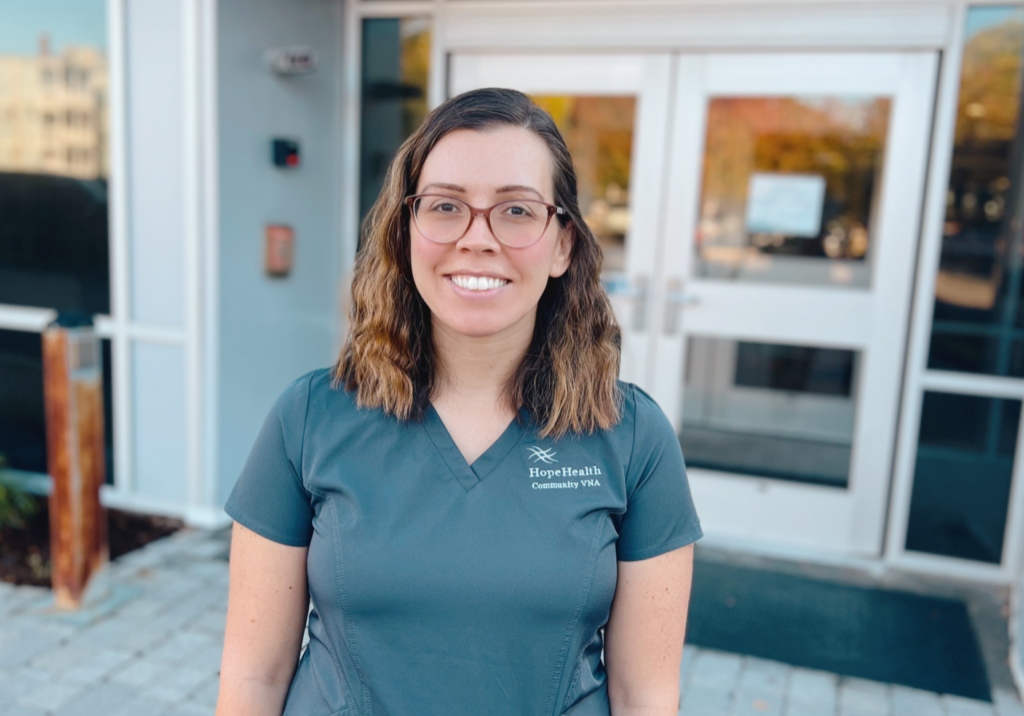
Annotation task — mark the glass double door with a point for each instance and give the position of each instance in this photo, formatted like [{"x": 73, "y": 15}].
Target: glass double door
[{"x": 759, "y": 216}]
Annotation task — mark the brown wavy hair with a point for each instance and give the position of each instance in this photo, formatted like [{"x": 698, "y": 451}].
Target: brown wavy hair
[{"x": 567, "y": 379}]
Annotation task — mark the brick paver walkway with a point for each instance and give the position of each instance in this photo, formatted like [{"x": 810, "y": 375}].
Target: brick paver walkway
[
  {"x": 714, "y": 683},
  {"x": 151, "y": 646},
  {"x": 157, "y": 654}
]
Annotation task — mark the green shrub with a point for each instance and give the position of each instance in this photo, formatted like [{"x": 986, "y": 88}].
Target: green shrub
[{"x": 16, "y": 505}]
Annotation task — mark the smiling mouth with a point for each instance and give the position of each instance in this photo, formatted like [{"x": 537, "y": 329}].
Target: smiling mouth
[{"x": 477, "y": 283}]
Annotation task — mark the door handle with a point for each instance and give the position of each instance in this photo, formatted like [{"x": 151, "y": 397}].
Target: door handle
[
  {"x": 675, "y": 301},
  {"x": 678, "y": 298},
  {"x": 635, "y": 292}
]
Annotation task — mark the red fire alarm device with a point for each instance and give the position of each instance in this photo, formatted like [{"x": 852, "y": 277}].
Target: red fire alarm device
[
  {"x": 280, "y": 250},
  {"x": 285, "y": 153}
]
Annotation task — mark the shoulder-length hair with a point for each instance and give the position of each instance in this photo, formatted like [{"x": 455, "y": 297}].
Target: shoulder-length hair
[{"x": 567, "y": 379}]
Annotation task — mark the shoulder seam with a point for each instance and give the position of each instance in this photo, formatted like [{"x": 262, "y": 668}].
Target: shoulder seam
[
  {"x": 305, "y": 421},
  {"x": 632, "y": 445}
]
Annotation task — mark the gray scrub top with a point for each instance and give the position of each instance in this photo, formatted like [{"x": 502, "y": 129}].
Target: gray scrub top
[{"x": 440, "y": 587}]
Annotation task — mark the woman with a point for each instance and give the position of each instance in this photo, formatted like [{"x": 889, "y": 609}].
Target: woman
[{"x": 478, "y": 505}]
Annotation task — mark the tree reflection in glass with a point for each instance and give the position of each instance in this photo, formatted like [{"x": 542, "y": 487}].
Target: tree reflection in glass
[
  {"x": 599, "y": 134},
  {"x": 801, "y": 236},
  {"x": 977, "y": 324}
]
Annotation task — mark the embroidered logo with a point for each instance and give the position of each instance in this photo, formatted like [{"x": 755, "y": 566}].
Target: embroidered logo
[
  {"x": 565, "y": 475},
  {"x": 545, "y": 456}
]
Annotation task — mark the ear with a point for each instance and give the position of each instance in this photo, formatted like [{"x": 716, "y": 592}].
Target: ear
[{"x": 563, "y": 252}]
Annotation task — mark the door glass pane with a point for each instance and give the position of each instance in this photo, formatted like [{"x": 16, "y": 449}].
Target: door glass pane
[
  {"x": 963, "y": 475},
  {"x": 772, "y": 410},
  {"x": 978, "y": 320},
  {"x": 22, "y": 415},
  {"x": 395, "y": 67},
  {"x": 54, "y": 160},
  {"x": 22, "y": 419},
  {"x": 599, "y": 134},
  {"x": 789, "y": 189}
]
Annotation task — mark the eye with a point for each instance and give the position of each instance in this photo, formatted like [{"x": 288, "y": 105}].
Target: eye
[
  {"x": 444, "y": 206},
  {"x": 519, "y": 210}
]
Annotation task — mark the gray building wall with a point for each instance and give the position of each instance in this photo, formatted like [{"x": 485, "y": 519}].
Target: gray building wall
[{"x": 272, "y": 330}]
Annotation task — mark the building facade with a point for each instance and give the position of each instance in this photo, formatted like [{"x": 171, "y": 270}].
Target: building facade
[
  {"x": 811, "y": 215},
  {"x": 53, "y": 118}
]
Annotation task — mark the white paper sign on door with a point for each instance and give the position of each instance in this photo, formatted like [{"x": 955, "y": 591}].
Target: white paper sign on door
[{"x": 787, "y": 204}]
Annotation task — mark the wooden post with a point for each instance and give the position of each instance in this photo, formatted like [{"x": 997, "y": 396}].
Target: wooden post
[{"x": 73, "y": 393}]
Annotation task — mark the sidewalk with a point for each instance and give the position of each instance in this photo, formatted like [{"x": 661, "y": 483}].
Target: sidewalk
[
  {"x": 150, "y": 645},
  {"x": 715, "y": 683}
]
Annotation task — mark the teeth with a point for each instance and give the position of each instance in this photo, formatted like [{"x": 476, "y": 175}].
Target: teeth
[{"x": 478, "y": 283}]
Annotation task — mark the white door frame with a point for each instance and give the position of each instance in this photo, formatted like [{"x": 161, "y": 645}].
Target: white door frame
[
  {"x": 920, "y": 379},
  {"x": 870, "y": 320}
]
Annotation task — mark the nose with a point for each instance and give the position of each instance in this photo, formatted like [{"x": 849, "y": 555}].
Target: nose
[{"x": 478, "y": 236}]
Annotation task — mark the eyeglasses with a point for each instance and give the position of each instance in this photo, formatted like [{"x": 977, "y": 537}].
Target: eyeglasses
[{"x": 517, "y": 223}]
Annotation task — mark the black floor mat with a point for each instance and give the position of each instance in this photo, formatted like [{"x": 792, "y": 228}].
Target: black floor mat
[{"x": 898, "y": 637}]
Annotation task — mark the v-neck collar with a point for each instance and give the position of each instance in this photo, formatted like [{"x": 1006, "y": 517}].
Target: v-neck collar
[{"x": 471, "y": 475}]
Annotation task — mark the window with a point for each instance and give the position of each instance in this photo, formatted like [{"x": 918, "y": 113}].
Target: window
[
  {"x": 966, "y": 443},
  {"x": 395, "y": 67},
  {"x": 22, "y": 419},
  {"x": 963, "y": 475},
  {"x": 54, "y": 239},
  {"x": 978, "y": 323}
]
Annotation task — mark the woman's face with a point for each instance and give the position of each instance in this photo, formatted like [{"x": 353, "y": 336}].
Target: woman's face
[{"x": 483, "y": 168}]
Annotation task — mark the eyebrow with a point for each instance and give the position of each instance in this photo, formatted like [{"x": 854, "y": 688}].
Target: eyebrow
[
  {"x": 507, "y": 189},
  {"x": 443, "y": 185}
]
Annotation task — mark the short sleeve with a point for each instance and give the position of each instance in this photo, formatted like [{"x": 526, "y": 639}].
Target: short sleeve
[
  {"x": 660, "y": 515},
  {"x": 269, "y": 497}
]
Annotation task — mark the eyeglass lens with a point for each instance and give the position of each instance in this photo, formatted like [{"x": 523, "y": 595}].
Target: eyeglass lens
[{"x": 516, "y": 223}]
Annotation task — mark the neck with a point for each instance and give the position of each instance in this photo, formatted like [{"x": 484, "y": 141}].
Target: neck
[{"x": 479, "y": 368}]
